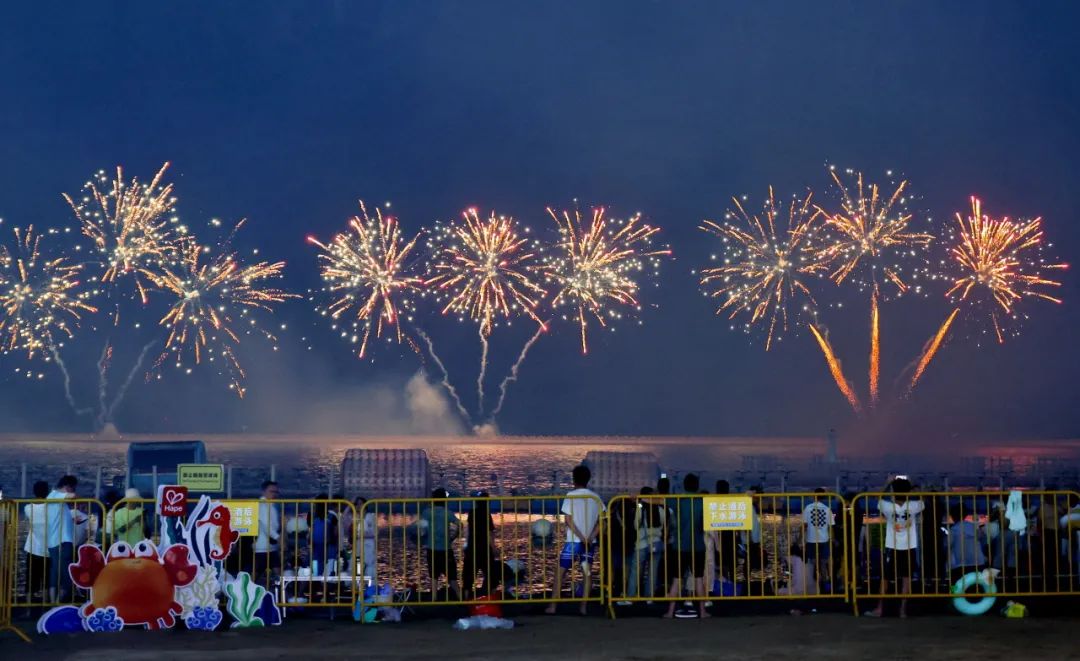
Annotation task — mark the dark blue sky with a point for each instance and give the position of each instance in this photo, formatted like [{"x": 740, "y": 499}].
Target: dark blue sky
[{"x": 287, "y": 113}]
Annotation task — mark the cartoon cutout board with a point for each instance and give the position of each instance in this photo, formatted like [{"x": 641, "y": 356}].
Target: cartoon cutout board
[{"x": 131, "y": 585}]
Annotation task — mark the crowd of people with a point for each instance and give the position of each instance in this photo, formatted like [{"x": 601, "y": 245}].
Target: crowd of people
[{"x": 660, "y": 549}]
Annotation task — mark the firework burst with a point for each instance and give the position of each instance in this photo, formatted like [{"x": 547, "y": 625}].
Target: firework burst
[
  {"x": 597, "y": 266},
  {"x": 39, "y": 296},
  {"x": 368, "y": 272},
  {"x": 133, "y": 226},
  {"x": 485, "y": 269},
  {"x": 764, "y": 270},
  {"x": 214, "y": 296},
  {"x": 1000, "y": 264},
  {"x": 870, "y": 234}
]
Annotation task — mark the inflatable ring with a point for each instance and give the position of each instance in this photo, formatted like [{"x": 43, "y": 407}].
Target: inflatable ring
[{"x": 965, "y": 605}]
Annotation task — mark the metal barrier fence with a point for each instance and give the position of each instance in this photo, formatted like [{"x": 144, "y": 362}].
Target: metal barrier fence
[
  {"x": 479, "y": 550},
  {"x": 472, "y": 551},
  {"x": 9, "y": 517},
  {"x": 978, "y": 544},
  {"x": 46, "y": 534},
  {"x": 304, "y": 552},
  {"x": 659, "y": 547}
]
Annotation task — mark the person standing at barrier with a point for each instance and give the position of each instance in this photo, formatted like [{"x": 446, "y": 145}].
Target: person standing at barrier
[
  {"x": 37, "y": 547},
  {"x": 755, "y": 552},
  {"x": 324, "y": 537},
  {"x": 692, "y": 549},
  {"x": 623, "y": 540},
  {"x": 965, "y": 553},
  {"x": 127, "y": 522},
  {"x": 581, "y": 511},
  {"x": 901, "y": 541},
  {"x": 727, "y": 543},
  {"x": 443, "y": 528},
  {"x": 60, "y": 537},
  {"x": 819, "y": 520},
  {"x": 365, "y": 537},
  {"x": 650, "y": 524},
  {"x": 480, "y": 553},
  {"x": 266, "y": 560}
]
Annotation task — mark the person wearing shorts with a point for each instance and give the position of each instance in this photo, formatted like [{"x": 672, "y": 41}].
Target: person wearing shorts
[
  {"x": 690, "y": 537},
  {"x": 581, "y": 511},
  {"x": 901, "y": 542}
]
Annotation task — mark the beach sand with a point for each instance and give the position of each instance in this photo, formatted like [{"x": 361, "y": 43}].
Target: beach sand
[{"x": 818, "y": 637}]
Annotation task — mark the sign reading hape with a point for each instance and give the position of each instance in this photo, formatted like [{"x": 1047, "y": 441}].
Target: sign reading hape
[
  {"x": 244, "y": 516},
  {"x": 201, "y": 477},
  {"x": 729, "y": 513},
  {"x": 171, "y": 500}
]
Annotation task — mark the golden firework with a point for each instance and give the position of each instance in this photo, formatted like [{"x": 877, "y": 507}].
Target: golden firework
[
  {"x": 596, "y": 267},
  {"x": 39, "y": 296},
  {"x": 485, "y": 269},
  {"x": 870, "y": 231},
  {"x": 213, "y": 297},
  {"x": 1000, "y": 263},
  {"x": 133, "y": 225},
  {"x": 764, "y": 269},
  {"x": 368, "y": 271}
]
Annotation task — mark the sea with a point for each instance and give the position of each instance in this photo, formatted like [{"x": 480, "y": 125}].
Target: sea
[{"x": 306, "y": 465}]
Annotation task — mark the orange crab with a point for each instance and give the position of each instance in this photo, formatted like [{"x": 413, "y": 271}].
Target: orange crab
[{"x": 135, "y": 581}]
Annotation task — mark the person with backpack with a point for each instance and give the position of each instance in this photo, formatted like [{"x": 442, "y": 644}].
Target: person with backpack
[{"x": 650, "y": 526}]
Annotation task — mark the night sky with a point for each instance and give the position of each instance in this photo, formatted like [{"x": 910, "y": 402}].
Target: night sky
[{"x": 287, "y": 113}]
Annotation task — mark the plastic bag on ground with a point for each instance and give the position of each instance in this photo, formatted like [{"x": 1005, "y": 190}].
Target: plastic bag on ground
[{"x": 483, "y": 622}]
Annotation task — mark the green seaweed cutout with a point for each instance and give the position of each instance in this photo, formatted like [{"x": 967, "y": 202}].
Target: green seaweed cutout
[{"x": 245, "y": 598}]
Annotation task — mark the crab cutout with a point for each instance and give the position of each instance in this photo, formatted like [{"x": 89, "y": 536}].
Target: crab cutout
[{"x": 135, "y": 581}]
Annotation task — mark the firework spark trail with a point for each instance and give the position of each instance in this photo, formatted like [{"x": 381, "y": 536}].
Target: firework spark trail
[
  {"x": 107, "y": 416},
  {"x": 931, "y": 350},
  {"x": 999, "y": 264},
  {"x": 103, "y": 382},
  {"x": 369, "y": 270},
  {"x": 875, "y": 348},
  {"x": 480, "y": 378},
  {"x": 596, "y": 266},
  {"x": 67, "y": 382},
  {"x": 836, "y": 370},
  {"x": 484, "y": 269},
  {"x": 764, "y": 270},
  {"x": 445, "y": 376},
  {"x": 132, "y": 226},
  {"x": 513, "y": 376}
]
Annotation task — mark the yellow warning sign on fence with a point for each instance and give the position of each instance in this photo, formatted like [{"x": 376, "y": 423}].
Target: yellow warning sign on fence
[
  {"x": 243, "y": 516},
  {"x": 729, "y": 513}
]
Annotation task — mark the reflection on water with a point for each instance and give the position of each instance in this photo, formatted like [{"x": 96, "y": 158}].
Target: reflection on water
[{"x": 305, "y": 465}]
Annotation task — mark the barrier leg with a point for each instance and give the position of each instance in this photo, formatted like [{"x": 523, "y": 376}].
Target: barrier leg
[{"x": 17, "y": 631}]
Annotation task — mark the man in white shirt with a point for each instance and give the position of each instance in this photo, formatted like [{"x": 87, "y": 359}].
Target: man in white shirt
[
  {"x": 60, "y": 536},
  {"x": 901, "y": 541},
  {"x": 266, "y": 544},
  {"x": 581, "y": 511},
  {"x": 819, "y": 520}
]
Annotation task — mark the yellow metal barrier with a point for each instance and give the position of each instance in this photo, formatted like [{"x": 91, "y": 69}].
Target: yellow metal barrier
[
  {"x": 47, "y": 535},
  {"x": 9, "y": 527},
  {"x": 479, "y": 550},
  {"x": 302, "y": 552},
  {"x": 973, "y": 544},
  {"x": 792, "y": 547}
]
